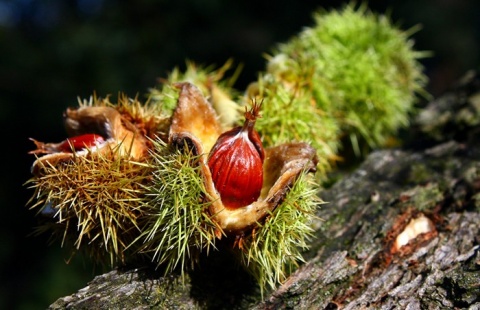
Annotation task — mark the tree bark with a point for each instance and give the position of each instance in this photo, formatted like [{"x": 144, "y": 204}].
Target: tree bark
[{"x": 353, "y": 261}]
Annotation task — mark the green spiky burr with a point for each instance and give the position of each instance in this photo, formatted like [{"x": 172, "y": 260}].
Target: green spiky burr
[
  {"x": 175, "y": 226},
  {"x": 359, "y": 72},
  {"x": 94, "y": 202},
  {"x": 91, "y": 198},
  {"x": 274, "y": 250}
]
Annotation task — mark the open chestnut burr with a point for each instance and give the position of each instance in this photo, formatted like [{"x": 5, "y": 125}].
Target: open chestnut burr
[{"x": 195, "y": 123}]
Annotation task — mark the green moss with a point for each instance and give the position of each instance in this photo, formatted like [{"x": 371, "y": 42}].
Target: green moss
[
  {"x": 476, "y": 201},
  {"x": 468, "y": 281},
  {"x": 471, "y": 173},
  {"x": 419, "y": 173},
  {"x": 427, "y": 197}
]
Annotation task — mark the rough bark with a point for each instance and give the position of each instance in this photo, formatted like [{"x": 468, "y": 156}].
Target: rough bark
[{"x": 353, "y": 262}]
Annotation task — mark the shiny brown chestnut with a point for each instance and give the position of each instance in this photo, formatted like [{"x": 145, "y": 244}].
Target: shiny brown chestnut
[{"x": 236, "y": 162}]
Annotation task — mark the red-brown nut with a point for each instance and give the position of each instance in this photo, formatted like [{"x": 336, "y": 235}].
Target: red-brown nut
[{"x": 236, "y": 163}]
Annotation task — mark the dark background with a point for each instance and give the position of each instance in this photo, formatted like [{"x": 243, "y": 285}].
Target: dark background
[{"x": 53, "y": 51}]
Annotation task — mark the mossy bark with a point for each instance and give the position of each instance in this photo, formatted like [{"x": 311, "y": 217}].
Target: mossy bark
[{"x": 353, "y": 262}]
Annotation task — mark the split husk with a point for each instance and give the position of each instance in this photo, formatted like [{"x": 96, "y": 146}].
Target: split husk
[{"x": 193, "y": 132}]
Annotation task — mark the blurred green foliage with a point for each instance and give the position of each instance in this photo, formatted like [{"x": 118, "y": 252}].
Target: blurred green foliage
[{"x": 53, "y": 51}]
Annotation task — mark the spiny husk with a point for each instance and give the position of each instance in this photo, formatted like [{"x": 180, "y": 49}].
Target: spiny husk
[
  {"x": 90, "y": 199},
  {"x": 124, "y": 127},
  {"x": 299, "y": 120},
  {"x": 358, "y": 68},
  {"x": 212, "y": 84},
  {"x": 284, "y": 169},
  {"x": 273, "y": 250},
  {"x": 195, "y": 123},
  {"x": 150, "y": 119},
  {"x": 95, "y": 201},
  {"x": 176, "y": 226}
]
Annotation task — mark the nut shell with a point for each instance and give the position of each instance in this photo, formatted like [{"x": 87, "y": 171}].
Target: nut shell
[
  {"x": 121, "y": 137},
  {"x": 236, "y": 165}
]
